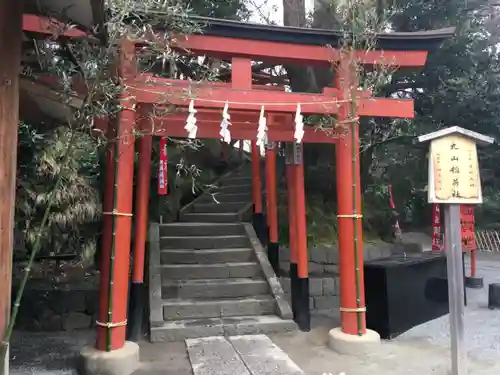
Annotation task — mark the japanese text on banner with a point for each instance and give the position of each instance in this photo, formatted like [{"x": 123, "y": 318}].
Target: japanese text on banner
[{"x": 162, "y": 168}]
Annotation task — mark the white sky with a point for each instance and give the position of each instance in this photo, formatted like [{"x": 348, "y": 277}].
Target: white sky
[{"x": 270, "y": 10}]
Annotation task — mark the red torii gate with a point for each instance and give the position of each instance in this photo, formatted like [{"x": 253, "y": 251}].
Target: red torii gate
[
  {"x": 245, "y": 101},
  {"x": 241, "y": 43}
]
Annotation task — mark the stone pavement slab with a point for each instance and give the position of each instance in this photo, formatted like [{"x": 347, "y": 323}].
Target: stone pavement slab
[
  {"x": 239, "y": 355},
  {"x": 263, "y": 357},
  {"x": 214, "y": 356}
]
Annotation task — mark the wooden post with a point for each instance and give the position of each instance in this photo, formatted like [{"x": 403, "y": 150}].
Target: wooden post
[
  {"x": 303, "y": 313},
  {"x": 10, "y": 50},
  {"x": 455, "y": 288},
  {"x": 138, "y": 291},
  {"x": 272, "y": 208},
  {"x": 352, "y": 295},
  {"x": 290, "y": 185},
  {"x": 112, "y": 317}
]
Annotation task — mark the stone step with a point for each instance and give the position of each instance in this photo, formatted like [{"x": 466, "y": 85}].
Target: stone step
[
  {"x": 223, "y": 198},
  {"x": 177, "y": 330},
  {"x": 213, "y": 288},
  {"x": 204, "y": 242},
  {"x": 242, "y": 172},
  {"x": 210, "y": 271},
  {"x": 211, "y": 218},
  {"x": 218, "y": 207},
  {"x": 175, "y": 309},
  {"x": 190, "y": 256},
  {"x": 201, "y": 229},
  {"x": 229, "y": 189},
  {"x": 237, "y": 180}
]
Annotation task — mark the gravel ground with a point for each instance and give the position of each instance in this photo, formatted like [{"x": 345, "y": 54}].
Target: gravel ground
[
  {"x": 47, "y": 353},
  {"x": 482, "y": 325}
]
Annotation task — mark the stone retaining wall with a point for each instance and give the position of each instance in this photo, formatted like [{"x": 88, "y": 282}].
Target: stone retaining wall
[
  {"x": 324, "y": 272},
  {"x": 321, "y": 260},
  {"x": 324, "y": 260},
  {"x": 67, "y": 309},
  {"x": 323, "y": 292}
]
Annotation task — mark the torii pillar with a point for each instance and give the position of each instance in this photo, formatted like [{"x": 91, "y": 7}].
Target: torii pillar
[
  {"x": 352, "y": 336},
  {"x": 112, "y": 354}
]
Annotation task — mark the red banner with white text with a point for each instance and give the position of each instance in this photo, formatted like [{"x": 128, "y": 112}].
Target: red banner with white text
[
  {"x": 162, "y": 168},
  {"x": 467, "y": 228},
  {"x": 436, "y": 227},
  {"x": 467, "y": 224}
]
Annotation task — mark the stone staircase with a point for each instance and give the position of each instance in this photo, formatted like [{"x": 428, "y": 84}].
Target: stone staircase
[{"x": 209, "y": 275}]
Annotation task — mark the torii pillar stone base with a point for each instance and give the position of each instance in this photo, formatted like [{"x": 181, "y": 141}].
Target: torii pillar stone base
[
  {"x": 344, "y": 343},
  {"x": 122, "y": 361}
]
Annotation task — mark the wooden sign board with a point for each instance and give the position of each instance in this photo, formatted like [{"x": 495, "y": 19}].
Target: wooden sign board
[
  {"x": 293, "y": 153},
  {"x": 288, "y": 154},
  {"x": 297, "y": 154},
  {"x": 454, "y": 171}
]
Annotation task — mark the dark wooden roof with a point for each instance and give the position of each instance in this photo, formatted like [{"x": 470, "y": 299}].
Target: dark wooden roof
[
  {"x": 421, "y": 40},
  {"x": 86, "y": 14},
  {"x": 37, "y": 100}
]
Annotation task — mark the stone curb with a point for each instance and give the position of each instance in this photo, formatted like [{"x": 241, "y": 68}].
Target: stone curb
[
  {"x": 284, "y": 309},
  {"x": 155, "y": 303}
]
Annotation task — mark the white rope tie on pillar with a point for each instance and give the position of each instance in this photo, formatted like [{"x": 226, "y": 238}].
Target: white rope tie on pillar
[
  {"x": 348, "y": 309},
  {"x": 191, "y": 121},
  {"x": 262, "y": 131},
  {"x": 111, "y": 325},
  {"x": 353, "y": 216},
  {"x": 299, "y": 125},
  {"x": 117, "y": 213},
  {"x": 224, "y": 125}
]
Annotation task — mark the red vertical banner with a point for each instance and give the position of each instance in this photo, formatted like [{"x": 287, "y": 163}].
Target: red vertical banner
[
  {"x": 395, "y": 224},
  {"x": 436, "y": 228},
  {"x": 467, "y": 224},
  {"x": 162, "y": 168}
]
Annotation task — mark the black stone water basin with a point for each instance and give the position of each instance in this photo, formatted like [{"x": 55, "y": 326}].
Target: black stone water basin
[{"x": 401, "y": 259}]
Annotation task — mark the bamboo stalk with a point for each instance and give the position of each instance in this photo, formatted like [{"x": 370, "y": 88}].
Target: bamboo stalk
[
  {"x": 36, "y": 247},
  {"x": 113, "y": 245},
  {"x": 355, "y": 203}
]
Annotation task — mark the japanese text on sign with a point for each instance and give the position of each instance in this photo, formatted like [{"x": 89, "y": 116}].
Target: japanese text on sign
[{"x": 455, "y": 170}]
